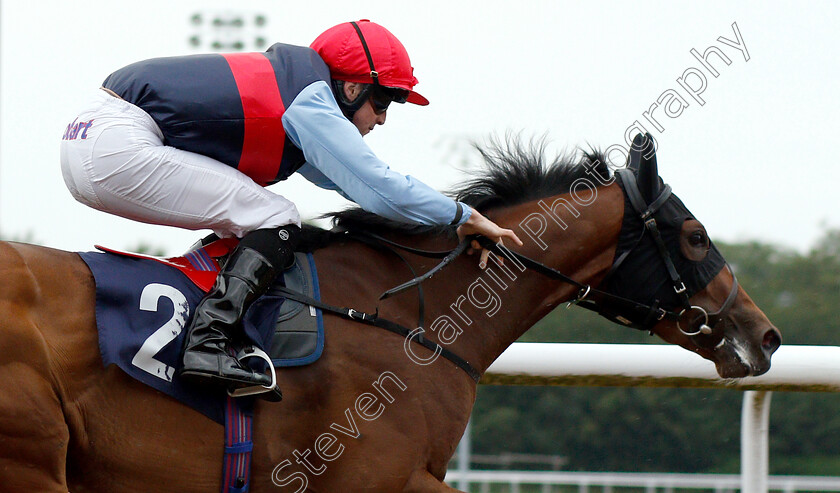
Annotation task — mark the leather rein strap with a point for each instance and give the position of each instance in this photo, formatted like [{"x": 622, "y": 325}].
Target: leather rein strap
[
  {"x": 376, "y": 321},
  {"x": 595, "y": 299}
]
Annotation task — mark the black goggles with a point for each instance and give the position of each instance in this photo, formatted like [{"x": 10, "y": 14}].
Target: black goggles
[{"x": 382, "y": 96}]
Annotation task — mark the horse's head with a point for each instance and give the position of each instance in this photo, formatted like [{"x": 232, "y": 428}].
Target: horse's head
[{"x": 673, "y": 280}]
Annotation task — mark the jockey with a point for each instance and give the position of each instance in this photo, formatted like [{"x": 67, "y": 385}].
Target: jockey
[{"x": 192, "y": 141}]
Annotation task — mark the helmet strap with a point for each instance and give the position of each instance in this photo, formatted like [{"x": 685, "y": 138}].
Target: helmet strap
[
  {"x": 348, "y": 107},
  {"x": 373, "y": 73}
]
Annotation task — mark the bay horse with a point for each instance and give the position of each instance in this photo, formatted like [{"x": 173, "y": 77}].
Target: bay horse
[{"x": 376, "y": 412}]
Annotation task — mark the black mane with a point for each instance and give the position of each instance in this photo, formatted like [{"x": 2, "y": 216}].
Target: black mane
[{"x": 512, "y": 173}]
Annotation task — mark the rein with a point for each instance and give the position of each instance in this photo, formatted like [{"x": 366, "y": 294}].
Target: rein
[
  {"x": 625, "y": 309},
  {"x": 597, "y": 300},
  {"x": 594, "y": 299},
  {"x": 376, "y": 321}
]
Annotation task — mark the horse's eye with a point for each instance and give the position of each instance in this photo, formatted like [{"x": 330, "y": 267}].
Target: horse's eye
[
  {"x": 694, "y": 243},
  {"x": 698, "y": 239}
]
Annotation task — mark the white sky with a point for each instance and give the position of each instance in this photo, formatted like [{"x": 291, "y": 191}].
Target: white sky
[{"x": 754, "y": 162}]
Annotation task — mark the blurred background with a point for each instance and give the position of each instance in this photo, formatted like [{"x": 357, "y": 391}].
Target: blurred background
[{"x": 754, "y": 162}]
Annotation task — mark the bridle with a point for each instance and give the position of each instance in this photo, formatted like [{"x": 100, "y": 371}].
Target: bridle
[
  {"x": 655, "y": 313},
  {"x": 620, "y": 309}
]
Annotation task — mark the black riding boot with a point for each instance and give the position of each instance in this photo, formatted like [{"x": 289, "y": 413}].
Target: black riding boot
[{"x": 247, "y": 275}]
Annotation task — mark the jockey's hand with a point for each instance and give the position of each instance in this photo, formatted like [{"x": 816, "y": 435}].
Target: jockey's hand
[{"x": 478, "y": 224}]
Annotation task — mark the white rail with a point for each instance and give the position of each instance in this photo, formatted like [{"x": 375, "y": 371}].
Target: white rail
[
  {"x": 794, "y": 368},
  {"x": 651, "y": 482}
]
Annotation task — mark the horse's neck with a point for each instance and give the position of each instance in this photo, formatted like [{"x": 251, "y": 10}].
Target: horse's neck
[{"x": 496, "y": 306}]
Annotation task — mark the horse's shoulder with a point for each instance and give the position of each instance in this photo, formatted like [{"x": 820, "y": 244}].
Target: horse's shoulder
[{"x": 28, "y": 270}]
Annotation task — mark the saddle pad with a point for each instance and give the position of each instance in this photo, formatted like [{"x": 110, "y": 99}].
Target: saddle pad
[
  {"x": 142, "y": 306},
  {"x": 299, "y": 332}
]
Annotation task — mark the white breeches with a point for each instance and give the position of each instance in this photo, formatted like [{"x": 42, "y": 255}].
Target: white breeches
[{"x": 113, "y": 159}]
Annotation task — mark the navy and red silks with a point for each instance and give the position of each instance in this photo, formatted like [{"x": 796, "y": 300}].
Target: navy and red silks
[{"x": 228, "y": 107}]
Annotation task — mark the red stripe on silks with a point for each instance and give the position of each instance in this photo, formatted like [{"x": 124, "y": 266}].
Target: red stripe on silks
[{"x": 262, "y": 147}]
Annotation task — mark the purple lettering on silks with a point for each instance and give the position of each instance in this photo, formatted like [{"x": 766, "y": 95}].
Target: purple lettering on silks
[
  {"x": 73, "y": 130},
  {"x": 87, "y": 126},
  {"x": 69, "y": 130}
]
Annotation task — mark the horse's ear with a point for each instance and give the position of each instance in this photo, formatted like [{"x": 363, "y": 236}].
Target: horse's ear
[{"x": 642, "y": 161}]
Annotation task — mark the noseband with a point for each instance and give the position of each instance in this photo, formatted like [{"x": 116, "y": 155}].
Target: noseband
[{"x": 711, "y": 318}]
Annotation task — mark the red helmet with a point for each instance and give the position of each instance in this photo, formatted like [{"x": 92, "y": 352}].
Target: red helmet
[{"x": 367, "y": 53}]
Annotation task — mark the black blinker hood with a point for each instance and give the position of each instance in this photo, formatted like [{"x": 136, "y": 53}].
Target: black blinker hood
[{"x": 639, "y": 272}]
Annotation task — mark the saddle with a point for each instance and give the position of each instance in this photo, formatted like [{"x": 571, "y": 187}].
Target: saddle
[{"x": 143, "y": 303}]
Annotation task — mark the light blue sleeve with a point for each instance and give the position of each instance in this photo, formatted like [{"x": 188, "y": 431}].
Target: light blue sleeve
[
  {"x": 339, "y": 159},
  {"x": 317, "y": 178}
]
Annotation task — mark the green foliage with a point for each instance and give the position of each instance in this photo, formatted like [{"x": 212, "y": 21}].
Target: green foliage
[
  {"x": 681, "y": 430},
  {"x": 28, "y": 237},
  {"x": 147, "y": 249}
]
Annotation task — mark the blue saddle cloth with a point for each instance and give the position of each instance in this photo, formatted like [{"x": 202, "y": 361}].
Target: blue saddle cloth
[{"x": 142, "y": 306}]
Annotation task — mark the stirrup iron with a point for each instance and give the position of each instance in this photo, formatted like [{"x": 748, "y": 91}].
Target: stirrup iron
[{"x": 255, "y": 352}]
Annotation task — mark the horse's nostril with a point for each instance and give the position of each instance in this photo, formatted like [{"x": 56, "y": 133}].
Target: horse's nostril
[{"x": 771, "y": 342}]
